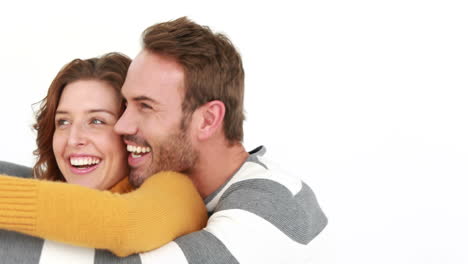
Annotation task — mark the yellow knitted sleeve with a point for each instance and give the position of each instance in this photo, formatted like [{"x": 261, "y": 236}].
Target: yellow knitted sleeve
[{"x": 166, "y": 206}]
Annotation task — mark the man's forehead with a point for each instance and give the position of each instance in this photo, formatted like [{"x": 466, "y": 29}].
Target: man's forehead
[{"x": 153, "y": 75}]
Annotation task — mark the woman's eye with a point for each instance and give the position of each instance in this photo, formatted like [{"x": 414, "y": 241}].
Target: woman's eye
[
  {"x": 62, "y": 122},
  {"x": 97, "y": 122}
]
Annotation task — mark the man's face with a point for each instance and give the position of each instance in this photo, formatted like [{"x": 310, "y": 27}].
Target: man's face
[{"x": 151, "y": 123}]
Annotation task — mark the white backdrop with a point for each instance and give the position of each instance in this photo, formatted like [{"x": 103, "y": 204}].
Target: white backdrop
[{"x": 365, "y": 99}]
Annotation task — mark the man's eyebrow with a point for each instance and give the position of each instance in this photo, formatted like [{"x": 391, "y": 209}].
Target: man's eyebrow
[{"x": 145, "y": 98}]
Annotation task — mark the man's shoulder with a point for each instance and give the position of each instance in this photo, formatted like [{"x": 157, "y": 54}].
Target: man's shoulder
[
  {"x": 276, "y": 211},
  {"x": 265, "y": 173},
  {"x": 263, "y": 189},
  {"x": 256, "y": 173}
]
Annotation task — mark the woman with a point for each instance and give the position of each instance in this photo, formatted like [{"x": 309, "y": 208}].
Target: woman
[
  {"x": 77, "y": 118},
  {"x": 77, "y": 144}
]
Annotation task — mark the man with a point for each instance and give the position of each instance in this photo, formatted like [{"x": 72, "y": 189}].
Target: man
[{"x": 184, "y": 94}]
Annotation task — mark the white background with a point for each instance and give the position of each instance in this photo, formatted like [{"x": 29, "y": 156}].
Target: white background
[{"x": 367, "y": 100}]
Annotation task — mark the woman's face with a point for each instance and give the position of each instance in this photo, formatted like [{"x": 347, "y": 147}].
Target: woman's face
[{"x": 87, "y": 150}]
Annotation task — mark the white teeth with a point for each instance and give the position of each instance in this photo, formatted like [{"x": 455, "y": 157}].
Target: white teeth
[
  {"x": 138, "y": 149},
  {"x": 84, "y": 161}
]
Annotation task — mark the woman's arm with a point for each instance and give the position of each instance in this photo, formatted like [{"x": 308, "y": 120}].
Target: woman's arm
[{"x": 166, "y": 206}]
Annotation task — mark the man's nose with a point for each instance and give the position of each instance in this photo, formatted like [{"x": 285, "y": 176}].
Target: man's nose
[{"x": 126, "y": 124}]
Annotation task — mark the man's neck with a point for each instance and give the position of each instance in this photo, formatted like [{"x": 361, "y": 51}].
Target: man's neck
[{"x": 216, "y": 165}]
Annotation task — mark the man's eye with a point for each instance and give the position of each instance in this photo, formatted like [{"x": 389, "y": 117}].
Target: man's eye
[
  {"x": 145, "y": 106},
  {"x": 97, "y": 122}
]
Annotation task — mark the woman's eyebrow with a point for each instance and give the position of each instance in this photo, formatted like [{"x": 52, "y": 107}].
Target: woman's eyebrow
[
  {"x": 100, "y": 111},
  {"x": 63, "y": 112}
]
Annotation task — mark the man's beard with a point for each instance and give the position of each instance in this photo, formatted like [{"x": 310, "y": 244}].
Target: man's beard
[{"x": 175, "y": 153}]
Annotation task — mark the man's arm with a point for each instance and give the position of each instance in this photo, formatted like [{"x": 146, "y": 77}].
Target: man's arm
[
  {"x": 15, "y": 169},
  {"x": 24, "y": 249},
  {"x": 19, "y": 248}
]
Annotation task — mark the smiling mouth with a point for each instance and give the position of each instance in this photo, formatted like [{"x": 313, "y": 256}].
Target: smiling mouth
[
  {"x": 138, "y": 151},
  {"x": 83, "y": 163}
]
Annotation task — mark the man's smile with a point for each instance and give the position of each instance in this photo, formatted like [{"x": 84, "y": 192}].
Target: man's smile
[{"x": 137, "y": 154}]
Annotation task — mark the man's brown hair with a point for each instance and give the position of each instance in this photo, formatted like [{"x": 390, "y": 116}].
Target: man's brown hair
[
  {"x": 110, "y": 68},
  {"x": 213, "y": 68}
]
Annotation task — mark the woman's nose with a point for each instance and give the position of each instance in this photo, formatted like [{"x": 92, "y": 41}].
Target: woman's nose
[{"x": 77, "y": 136}]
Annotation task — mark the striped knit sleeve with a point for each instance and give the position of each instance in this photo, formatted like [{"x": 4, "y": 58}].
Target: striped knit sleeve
[
  {"x": 19, "y": 248},
  {"x": 13, "y": 169},
  {"x": 166, "y": 206},
  {"x": 24, "y": 249}
]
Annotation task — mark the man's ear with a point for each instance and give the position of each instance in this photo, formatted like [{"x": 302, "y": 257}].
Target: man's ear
[{"x": 209, "y": 119}]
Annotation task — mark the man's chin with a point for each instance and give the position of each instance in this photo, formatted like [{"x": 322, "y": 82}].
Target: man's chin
[{"x": 136, "y": 177}]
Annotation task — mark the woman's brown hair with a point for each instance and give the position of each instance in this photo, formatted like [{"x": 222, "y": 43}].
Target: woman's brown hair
[{"x": 110, "y": 68}]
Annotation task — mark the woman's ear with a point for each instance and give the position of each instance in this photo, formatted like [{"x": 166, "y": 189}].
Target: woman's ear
[{"x": 209, "y": 119}]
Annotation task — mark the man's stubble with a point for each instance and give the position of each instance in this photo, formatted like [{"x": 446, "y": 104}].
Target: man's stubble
[{"x": 175, "y": 153}]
